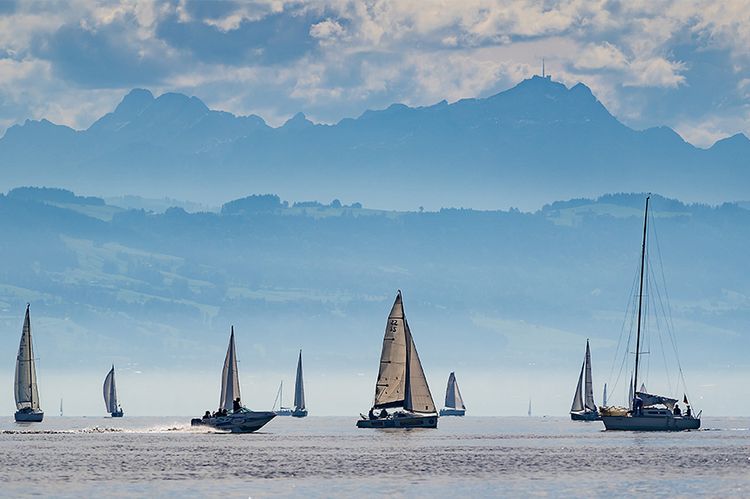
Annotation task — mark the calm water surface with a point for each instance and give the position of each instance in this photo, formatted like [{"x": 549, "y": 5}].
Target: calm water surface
[{"x": 328, "y": 456}]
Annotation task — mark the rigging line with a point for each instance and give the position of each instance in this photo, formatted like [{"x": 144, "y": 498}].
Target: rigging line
[
  {"x": 668, "y": 314},
  {"x": 656, "y": 297},
  {"x": 629, "y": 311}
]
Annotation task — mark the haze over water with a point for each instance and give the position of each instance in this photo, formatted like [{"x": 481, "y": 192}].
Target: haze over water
[{"x": 325, "y": 456}]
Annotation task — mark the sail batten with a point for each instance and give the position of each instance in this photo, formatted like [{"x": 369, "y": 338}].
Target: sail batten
[
  {"x": 25, "y": 385},
  {"x": 230, "y": 380}
]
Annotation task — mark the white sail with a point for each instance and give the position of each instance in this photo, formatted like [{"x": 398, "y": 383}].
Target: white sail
[
  {"x": 27, "y": 395},
  {"x": 589, "y": 398},
  {"x": 299, "y": 386},
  {"x": 110, "y": 391},
  {"x": 453, "y": 399},
  {"x": 389, "y": 388},
  {"x": 604, "y": 397},
  {"x": 417, "y": 396},
  {"x": 577, "y": 405},
  {"x": 630, "y": 394},
  {"x": 230, "y": 378}
]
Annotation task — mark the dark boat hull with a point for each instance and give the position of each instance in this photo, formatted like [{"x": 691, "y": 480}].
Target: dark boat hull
[
  {"x": 585, "y": 416},
  {"x": 118, "y": 414},
  {"x": 651, "y": 423},
  {"x": 29, "y": 416},
  {"x": 452, "y": 412},
  {"x": 243, "y": 422},
  {"x": 410, "y": 421},
  {"x": 299, "y": 413}
]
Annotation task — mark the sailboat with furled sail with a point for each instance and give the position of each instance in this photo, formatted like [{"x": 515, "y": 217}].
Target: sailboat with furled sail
[
  {"x": 232, "y": 416},
  {"x": 648, "y": 412},
  {"x": 454, "y": 403},
  {"x": 401, "y": 380},
  {"x": 584, "y": 407},
  {"x": 110, "y": 395},
  {"x": 25, "y": 386},
  {"x": 299, "y": 392}
]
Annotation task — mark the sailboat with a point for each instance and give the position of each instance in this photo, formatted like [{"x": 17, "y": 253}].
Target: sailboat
[
  {"x": 299, "y": 392},
  {"x": 61, "y": 411},
  {"x": 281, "y": 411},
  {"x": 110, "y": 395},
  {"x": 25, "y": 386},
  {"x": 529, "y": 411},
  {"x": 648, "y": 412},
  {"x": 401, "y": 381},
  {"x": 454, "y": 403},
  {"x": 584, "y": 407},
  {"x": 232, "y": 416}
]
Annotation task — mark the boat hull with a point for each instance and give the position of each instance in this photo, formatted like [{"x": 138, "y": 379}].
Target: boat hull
[
  {"x": 400, "y": 422},
  {"x": 447, "y": 411},
  {"x": 118, "y": 414},
  {"x": 283, "y": 412},
  {"x": 242, "y": 422},
  {"x": 585, "y": 416},
  {"x": 651, "y": 423},
  {"x": 29, "y": 416},
  {"x": 299, "y": 413}
]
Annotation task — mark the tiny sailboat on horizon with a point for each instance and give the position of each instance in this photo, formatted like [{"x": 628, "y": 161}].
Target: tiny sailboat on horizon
[
  {"x": 25, "y": 384},
  {"x": 232, "y": 416},
  {"x": 401, "y": 380},
  {"x": 454, "y": 403},
  {"x": 110, "y": 395}
]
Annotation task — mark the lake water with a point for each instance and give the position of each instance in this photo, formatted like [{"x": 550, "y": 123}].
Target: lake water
[{"x": 328, "y": 456}]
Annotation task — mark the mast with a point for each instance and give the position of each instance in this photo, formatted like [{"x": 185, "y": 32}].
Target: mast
[{"x": 640, "y": 300}]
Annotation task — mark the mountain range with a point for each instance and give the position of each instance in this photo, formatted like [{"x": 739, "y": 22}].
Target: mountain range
[{"x": 534, "y": 143}]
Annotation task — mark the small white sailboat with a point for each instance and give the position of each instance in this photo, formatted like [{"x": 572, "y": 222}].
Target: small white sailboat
[
  {"x": 529, "y": 412},
  {"x": 584, "y": 407},
  {"x": 232, "y": 416},
  {"x": 454, "y": 403},
  {"x": 110, "y": 395},
  {"x": 61, "y": 408},
  {"x": 25, "y": 384},
  {"x": 281, "y": 411},
  {"x": 401, "y": 381},
  {"x": 647, "y": 412},
  {"x": 299, "y": 392}
]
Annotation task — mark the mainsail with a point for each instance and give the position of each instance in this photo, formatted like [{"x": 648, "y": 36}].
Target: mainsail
[
  {"x": 110, "y": 391},
  {"x": 26, "y": 392},
  {"x": 604, "y": 397},
  {"x": 453, "y": 399},
  {"x": 577, "y": 405},
  {"x": 401, "y": 379},
  {"x": 299, "y": 387},
  {"x": 589, "y": 400},
  {"x": 583, "y": 399},
  {"x": 230, "y": 378}
]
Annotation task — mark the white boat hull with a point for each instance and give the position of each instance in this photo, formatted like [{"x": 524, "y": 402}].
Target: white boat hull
[
  {"x": 29, "y": 416},
  {"x": 242, "y": 422},
  {"x": 410, "y": 421},
  {"x": 448, "y": 411},
  {"x": 651, "y": 423}
]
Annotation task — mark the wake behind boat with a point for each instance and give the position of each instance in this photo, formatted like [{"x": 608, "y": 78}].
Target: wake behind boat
[
  {"x": 648, "y": 412},
  {"x": 231, "y": 415},
  {"x": 454, "y": 403},
  {"x": 25, "y": 385},
  {"x": 110, "y": 395},
  {"x": 584, "y": 407},
  {"x": 401, "y": 381}
]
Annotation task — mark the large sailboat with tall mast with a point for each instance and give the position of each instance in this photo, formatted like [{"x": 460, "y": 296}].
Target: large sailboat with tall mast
[
  {"x": 454, "y": 403},
  {"x": 110, "y": 395},
  {"x": 300, "y": 411},
  {"x": 232, "y": 416},
  {"x": 647, "y": 412},
  {"x": 401, "y": 380},
  {"x": 584, "y": 407},
  {"x": 25, "y": 385}
]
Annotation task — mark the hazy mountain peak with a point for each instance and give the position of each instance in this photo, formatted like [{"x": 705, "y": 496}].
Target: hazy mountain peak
[
  {"x": 134, "y": 102},
  {"x": 298, "y": 121}
]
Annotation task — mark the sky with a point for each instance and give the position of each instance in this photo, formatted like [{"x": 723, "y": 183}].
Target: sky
[{"x": 682, "y": 63}]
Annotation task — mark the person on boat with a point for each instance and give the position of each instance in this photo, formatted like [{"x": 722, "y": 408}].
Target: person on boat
[
  {"x": 371, "y": 414},
  {"x": 638, "y": 405},
  {"x": 383, "y": 414},
  {"x": 236, "y": 406},
  {"x": 207, "y": 415},
  {"x": 677, "y": 411},
  {"x": 688, "y": 412}
]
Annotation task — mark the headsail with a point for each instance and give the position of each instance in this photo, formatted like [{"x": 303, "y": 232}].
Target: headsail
[
  {"x": 453, "y": 399},
  {"x": 417, "y": 396},
  {"x": 230, "y": 378},
  {"x": 110, "y": 391},
  {"x": 299, "y": 387},
  {"x": 589, "y": 399},
  {"x": 577, "y": 405},
  {"x": 27, "y": 395},
  {"x": 604, "y": 397},
  {"x": 389, "y": 388}
]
